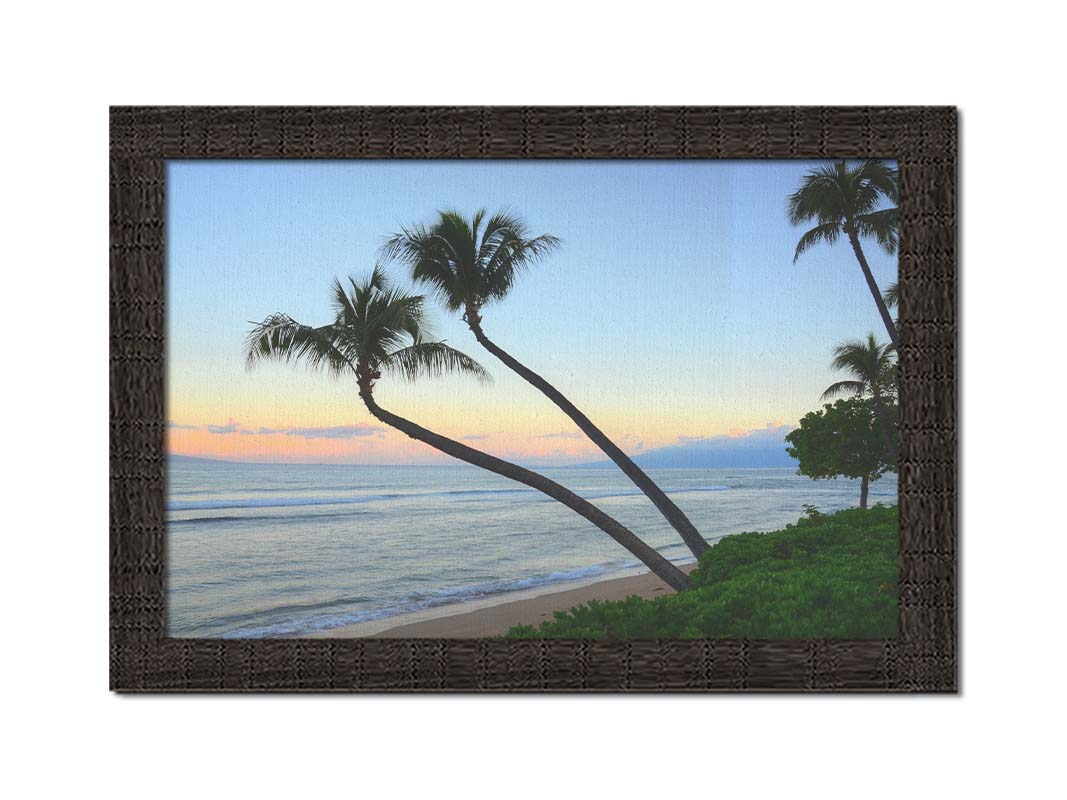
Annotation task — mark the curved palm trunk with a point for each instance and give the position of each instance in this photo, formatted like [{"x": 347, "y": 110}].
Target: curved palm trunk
[
  {"x": 674, "y": 515},
  {"x": 660, "y": 566},
  {"x": 878, "y": 299},
  {"x": 864, "y": 485}
]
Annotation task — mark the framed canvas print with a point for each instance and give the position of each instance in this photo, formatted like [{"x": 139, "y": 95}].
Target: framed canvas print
[{"x": 533, "y": 399}]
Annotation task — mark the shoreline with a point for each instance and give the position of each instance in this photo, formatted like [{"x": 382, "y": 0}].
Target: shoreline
[{"x": 494, "y": 616}]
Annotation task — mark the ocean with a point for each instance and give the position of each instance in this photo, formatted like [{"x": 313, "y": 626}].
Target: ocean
[{"x": 269, "y": 550}]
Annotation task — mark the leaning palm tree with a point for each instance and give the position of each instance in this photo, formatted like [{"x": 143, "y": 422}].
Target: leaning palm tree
[
  {"x": 874, "y": 374},
  {"x": 844, "y": 199},
  {"x": 469, "y": 266},
  {"x": 378, "y": 329}
]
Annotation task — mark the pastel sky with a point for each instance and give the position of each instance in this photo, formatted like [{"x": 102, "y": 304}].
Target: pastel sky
[{"x": 672, "y": 311}]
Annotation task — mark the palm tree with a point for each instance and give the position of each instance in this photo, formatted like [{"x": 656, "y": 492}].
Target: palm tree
[
  {"x": 845, "y": 199},
  {"x": 380, "y": 329},
  {"x": 874, "y": 373},
  {"x": 469, "y": 266}
]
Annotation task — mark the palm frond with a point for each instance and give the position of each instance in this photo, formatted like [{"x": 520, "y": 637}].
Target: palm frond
[
  {"x": 883, "y": 178},
  {"x": 454, "y": 228},
  {"x": 892, "y": 294},
  {"x": 344, "y": 306},
  {"x": 869, "y": 362},
  {"x": 431, "y": 360},
  {"x": 281, "y": 337},
  {"x": 820, "y": 197},
  {"x": 389, "y": 317},
  {"x": 501, "y": 223},
  {"x": 432, "y": 259},
  {"x": 510, "y": 259},
  {"x": 826, "y": 232},
  {"x": 882, "y": 226},
  {"x": 844, "y": 387},
  {"x": 476, "y": 223}
]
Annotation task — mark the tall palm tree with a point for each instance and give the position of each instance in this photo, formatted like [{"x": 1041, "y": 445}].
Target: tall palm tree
[
  {"x": 873, "y": 373},
  {"x": 380, "y": 329},
  {"x": 844, "y": 199},
  {"x": 469, "y": 266}
]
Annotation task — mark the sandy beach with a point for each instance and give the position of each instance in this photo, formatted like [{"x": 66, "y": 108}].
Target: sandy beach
[{"x": 480, "y": 619}]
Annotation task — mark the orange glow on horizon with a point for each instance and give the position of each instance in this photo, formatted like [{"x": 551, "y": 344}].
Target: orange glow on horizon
[{"x": 378, "y": 447}]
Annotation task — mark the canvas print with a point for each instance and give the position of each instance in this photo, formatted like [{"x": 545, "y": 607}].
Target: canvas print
[{"x": 580, "y": 399}]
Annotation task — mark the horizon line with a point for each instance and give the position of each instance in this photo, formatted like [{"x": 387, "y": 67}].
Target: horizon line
[{"x": 457, "y": 462}]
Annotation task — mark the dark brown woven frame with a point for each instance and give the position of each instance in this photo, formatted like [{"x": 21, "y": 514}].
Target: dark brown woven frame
[{"x": 923, "y": 658}]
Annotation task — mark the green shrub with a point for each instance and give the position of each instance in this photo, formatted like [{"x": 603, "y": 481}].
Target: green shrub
[{"x": 827, "y": 576}]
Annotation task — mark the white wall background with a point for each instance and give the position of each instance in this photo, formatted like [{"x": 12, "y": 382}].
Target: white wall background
[{"x": 67, "y": 736}]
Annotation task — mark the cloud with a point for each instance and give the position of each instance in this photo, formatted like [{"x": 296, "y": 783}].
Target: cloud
[
  {"x": 772, "y": 432},
  {"x": 475, "y": 437},
  {"x": 327, "y": 432},
  {"x": 568, "y": 435},
  {"x": 231, "y": 426},
  {"x": 335, "y": 432}
]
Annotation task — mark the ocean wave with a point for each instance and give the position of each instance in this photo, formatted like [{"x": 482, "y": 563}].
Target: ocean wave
[
  {"x": 273, "y": 502},
  {"x": 636, "y": 492},
  {"x": 421, "y": 601},
  {"x": 416, "y": 602},
  {"x": 204, "y": 491},
  {"x": 272, "y": 518},
  {"x": 285, "y": 502}
]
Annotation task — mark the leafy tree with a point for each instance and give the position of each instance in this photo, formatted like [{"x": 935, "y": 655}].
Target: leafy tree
[
  {"x": 844, "y": 199},
  {"x": 378, "y": 329},
  {"x": 874, "y": 375},
  {"x": 472, "y": 263},
  {"x": 841, "y": 439}
]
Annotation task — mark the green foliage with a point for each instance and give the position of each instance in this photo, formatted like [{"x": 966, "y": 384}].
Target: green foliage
[
  {"x": 828, "y": 576},
  {"x": 841, "y": 439}
]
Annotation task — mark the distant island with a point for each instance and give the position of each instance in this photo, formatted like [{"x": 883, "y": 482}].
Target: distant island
[
  {"x": 760, "y": 448},
  {"x": 180, "y": 459}
]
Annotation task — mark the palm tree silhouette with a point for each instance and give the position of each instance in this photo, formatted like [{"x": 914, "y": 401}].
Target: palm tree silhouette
[
  {"x": 470, "y": 266},
  {"x": 874, "y": 374},
  {"x": 845, "y": 199},
  {"x": 379, "y": 329}
]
